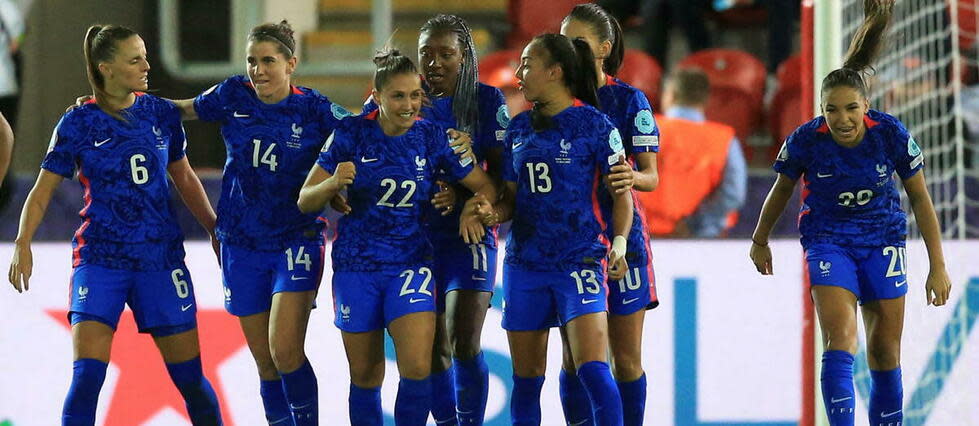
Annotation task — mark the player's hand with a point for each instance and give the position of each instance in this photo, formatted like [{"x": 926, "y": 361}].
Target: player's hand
[
  {"x": 79, "y": 102},
  {"x": 21, "y": 266},
  {"x": 483, "y": 209},
  {"x": 344, "y": 175},
  {"x": 216, "y": 246},
  {"x": 339, "y": 203},
  {"x": 617, "y": 265},
  {"x": 938, "y": 287},
  {"x": 461, "y": 143},
  {"x": 761, "y": 255},
  {"x": 445, "y": 199},
  {"x": 471, "y": 229},
  {"x": 621, "y": 177}
]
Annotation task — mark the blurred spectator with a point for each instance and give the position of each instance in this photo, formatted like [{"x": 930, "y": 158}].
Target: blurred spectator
[
  {"x": 657, "y": 17},
  {"x": 703, "y": 175},
  {"x": 11, "y": 31}
]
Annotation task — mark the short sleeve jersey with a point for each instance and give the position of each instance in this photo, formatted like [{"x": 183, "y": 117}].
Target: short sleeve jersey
[
  {"x": 557, "y": 223},
  {"x": 270, "y": 149},
  {"x": 629, "y": 110},
  {"x": 849, "y": 195},
  {"x": 128, "y": 222},
  {"x": 493, "y": 121},
  {"x": 395, "y": 176}
]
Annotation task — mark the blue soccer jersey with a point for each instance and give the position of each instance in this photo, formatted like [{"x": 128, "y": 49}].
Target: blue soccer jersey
[
  {"x": 270, "y": 149},
  {"x": 395, "y": 177},
  {"x": 849, "y": 196},
  {"x": 493, "y": 121},
  {"x": 630, "y": 112},
  {"x": 128, "y": 222},
  {"x": 557, "y": 223}
]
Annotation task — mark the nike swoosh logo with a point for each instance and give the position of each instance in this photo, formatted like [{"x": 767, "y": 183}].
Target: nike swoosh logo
[
  {"x": 239, "y": 115},
  {"x": 883, "y": 414},
  {"x": 295, "y": 278},
  {"x": 820, "y": 175},
  {"x": 587, "y": 301},
  {"x": 834, "y": 400},
  {"x": 517, "y": 145},
  {"x": 413, "y": 300},
  {"x": 367, "y": 160},
  {"x": 628, "y": 301},
  {"x": 463, "y": 411},
  {"x": 579, "y": 423},
  {"x": 475, "y": 278},
  {"x": 98, "y": 144},
  {"x": 900, "y": 283},
  {"x": 185, "y": 308}
]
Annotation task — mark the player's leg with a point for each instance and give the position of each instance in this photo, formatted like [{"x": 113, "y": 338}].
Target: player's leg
[
  {"x": 443, "y": 382},
  {"x": 298, "y": 271},
  {"x": 97, "y": 298},
  {"x": 467, "y": 300},
  {"x": 528, "y": 314},
  {"x": 247, "y": 277},
  {"x": 884, "y": 284},
  {"x": 409, "y": 312},
  {"x": 629, "y": 298},
  {"x": 834, "y": 289},
  {"x": 574, "y": 398},
  {"x": 359, "y": 314}
]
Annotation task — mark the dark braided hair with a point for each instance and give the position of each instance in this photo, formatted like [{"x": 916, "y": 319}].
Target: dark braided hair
[
  {"x": 578, "y": 66},
  {"x": 280, "y": 33},
  {"x": 866, "y": 45},
  {"x": 391, "y": 62},
  {"x": 101, "y": 42},
  {"x": 465, "y": 100},
  {"x": 606, "y": 27}
]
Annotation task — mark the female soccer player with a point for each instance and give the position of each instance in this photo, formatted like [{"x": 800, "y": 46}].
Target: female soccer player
[
  {"x": 629, "y": 298},
  {"x": 556, "y": 253},
  {"x": 387, "y": 161},
  {"x": 853, "y": 229},
  {"x": 129, "y": 247}
]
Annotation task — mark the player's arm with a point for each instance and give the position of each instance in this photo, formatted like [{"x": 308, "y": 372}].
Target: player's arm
[
  {"x": 621, "y": 225},
  {"x": 6, "y": 146},
  {"x": 321, "y": 186},
  {"x": 36, "y": 204},
  {"x": 186, "y": 108},
  {"x": 623, "y": 177},
  {"x": 470, "y": 225},
  {"x": 938, "y": 285},
  {"x": 771, "y": 210},
  {"x": 191, "y": 191}
]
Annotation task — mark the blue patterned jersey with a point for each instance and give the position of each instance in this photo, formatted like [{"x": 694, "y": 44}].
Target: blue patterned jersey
[
  {"x": 557, "y": 223},
  {"x": 849, "y": 197},
  {"x": 270, "y": 149},
  {"x": 128, "y": 222},
  {"x": 630, "y": 112},
  {"x": 395, "y": 177},
  {"x": 493, "y": 120}
]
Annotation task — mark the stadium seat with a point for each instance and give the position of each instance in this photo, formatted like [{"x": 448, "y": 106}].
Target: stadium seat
[
  {"x": 737, "y": 84},
  {"x": 528, "y": 18},
  {"x": 497, "y": 69},
  {"x": 642, "y": 72},
  {"x": 786, "y": 108},
  {"x": 967, "y": 22}
]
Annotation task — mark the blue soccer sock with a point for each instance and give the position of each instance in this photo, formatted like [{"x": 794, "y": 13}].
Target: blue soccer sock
[
  {"x": 301, "y": 392},
  {"x": 525, "y": 401},
  {"x": 837, "y": 384},
  {"x": 414, "y": 401},
  {"x": 606, "y": 404},
  {"x": 274, "y": 399},
  {"x": 365, "y": 406},
  {"x": 574, "y": 400},
  {"x": 633, "y": 401},
  {"x": 199, "y": 396},
  {"x": 472, "y": 389},
  {"x": 83, "y": 394},
  {"x": 444, "y": 398},
  {"x": 886, "y": 398}
]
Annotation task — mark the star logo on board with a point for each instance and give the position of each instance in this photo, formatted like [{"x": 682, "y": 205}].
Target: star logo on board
[{"x": 143, "y": 387}]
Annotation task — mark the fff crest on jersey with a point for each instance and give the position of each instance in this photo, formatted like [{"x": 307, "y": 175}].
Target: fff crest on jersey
[
  {"x": 158, "y": 133},
  {"x": 824, "y": 267},
  {"x": 563, "y": 156},
  {"x": 645, "y": 122},
  {"x": 420, "y": 167}
]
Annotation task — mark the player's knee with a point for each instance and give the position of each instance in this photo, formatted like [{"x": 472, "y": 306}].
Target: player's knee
[
  {"x": 287, "y": 357},
  {"x": 266, "y": 369},
  {"x": 884, "y": 356},
  {"x": 840, "y": 340},
  {"x": 367, "y": 375},
  {"x": 465, "y": 347},
  {"x": 567, "y": 362},
  {"x": 414, "y": 369},
  {"x": 441, "y": 360},
  {"x": 627, "y": 368}
]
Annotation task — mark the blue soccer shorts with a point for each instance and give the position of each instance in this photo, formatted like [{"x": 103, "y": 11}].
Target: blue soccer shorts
[
  {"x": 367, "y": 301},
  {"x": 464, "y": 267},
  {"x": 533, "y": 299},
  {"x": 870, "y": 273},
  {"x": 251, "y": 277}
]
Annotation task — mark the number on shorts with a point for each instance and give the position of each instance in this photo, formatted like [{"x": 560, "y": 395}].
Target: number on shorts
[
  {"x": 183, "y": 290},
  {"x": 140, "y": 174},
  {"x": 302, "y": 258},
  {"x": 587, "y": 280},
  {"x": 631, "y": 281},
  {"x": 409, "y": 274},
  {"x": 479, "y": 257},
  {"x": 898, "y": 263}
]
